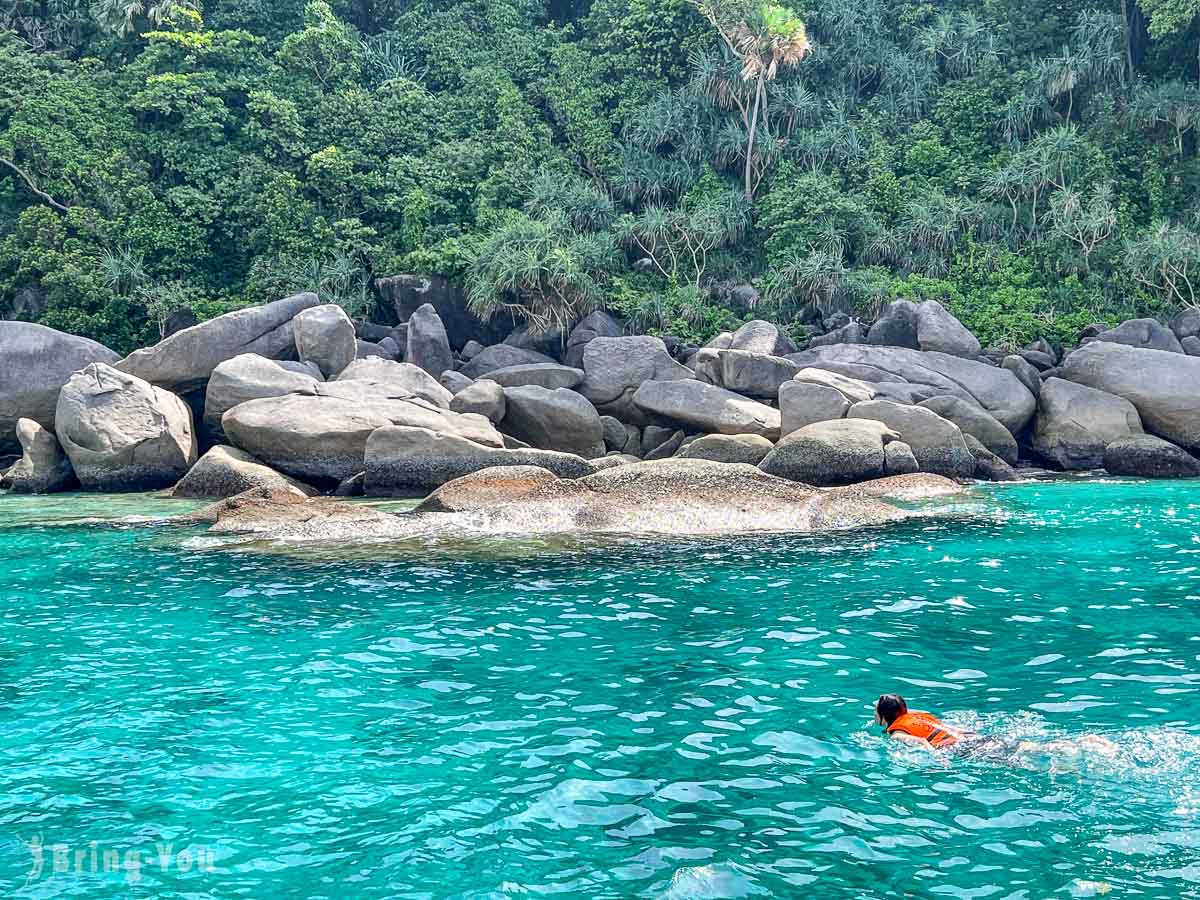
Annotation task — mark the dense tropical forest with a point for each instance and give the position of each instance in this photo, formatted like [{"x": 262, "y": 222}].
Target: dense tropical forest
[{"x": 1030, "y": 163}]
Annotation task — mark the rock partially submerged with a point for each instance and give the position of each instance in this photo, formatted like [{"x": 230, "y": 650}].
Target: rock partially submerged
[
  {"x": 121, "y": 433},
  {"x": 669, "y": 497},
  {"x": 35, "y": 362},
  {"x": 227, "y": 471},
  {"x": 43, "y": 467}
]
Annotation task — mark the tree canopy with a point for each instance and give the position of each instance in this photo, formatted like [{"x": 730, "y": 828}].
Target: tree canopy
[{"x": 1032, "y": 165}]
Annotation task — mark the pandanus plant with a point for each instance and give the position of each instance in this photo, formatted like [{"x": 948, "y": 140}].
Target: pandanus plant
[{"x": 765, "y": 40}]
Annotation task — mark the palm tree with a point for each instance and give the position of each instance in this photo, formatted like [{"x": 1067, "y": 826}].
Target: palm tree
[
  {"x": 1171, "y": 103},
  {"x": 1100, "y": 38},
  {"x": 121, "y": 16},
  {"x": 764, "y": 44},
  {"x": 1166, "y": 258},
  {"x": 1061, "y": 75}
]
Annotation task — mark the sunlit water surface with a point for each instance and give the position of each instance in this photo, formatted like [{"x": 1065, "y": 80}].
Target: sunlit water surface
[{"x": 645, "y": 718}]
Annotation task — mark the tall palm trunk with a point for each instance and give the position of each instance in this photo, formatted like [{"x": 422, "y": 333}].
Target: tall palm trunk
[{"x": 758, "y": 102}]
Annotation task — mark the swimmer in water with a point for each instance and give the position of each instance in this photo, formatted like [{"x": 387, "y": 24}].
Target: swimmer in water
[{"x": 926, "y": 729}]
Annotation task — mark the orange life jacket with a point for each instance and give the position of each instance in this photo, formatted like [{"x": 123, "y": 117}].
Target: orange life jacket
[{"x": 927, "y": 727}]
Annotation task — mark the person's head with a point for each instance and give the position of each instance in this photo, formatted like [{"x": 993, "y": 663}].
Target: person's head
[{"x": 889, "y": 708}]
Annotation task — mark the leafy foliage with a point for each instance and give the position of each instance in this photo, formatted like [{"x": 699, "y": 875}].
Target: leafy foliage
[{"x": 1033, "y": 164}]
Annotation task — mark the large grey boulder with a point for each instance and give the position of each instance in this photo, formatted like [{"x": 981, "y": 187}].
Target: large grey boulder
[
  {"x": 557, "y": 419},
  {"x": 1076, "y": 423},
  {"x": 454, "y": 381},
  {"x": 402, "y": 378},
  {"x": 997, "y": 390},
  {"x": 1145, "y": 334},
  {"x": 936, "y": 443},
  {"x": 597, "y": 324},
  {"x": 402, "y": 461},
  {"x": 185, "y": 360},
  {"x": 428, "y": 346},
  {"x": 754, "y": 374},
  {"x": 404, "y": 294},
  {"x": 706, "y": 408},
  {"x": 501, "y": 356},
  {"x": 122, "y": 433},
  {"x": 615, "y": 435},
  {"x": 749, "y": 449},
  {"x": 803, "y": 403},
  {"x": 896, "y": 326},
  {"x": 614, "y": 368},
  {"x": 365, "y": 349},
  {"x": 988, "y": 466},
  {"x": 548, "y": 340},
  {"x": 248, "y": 377},
  {"x": 939, "y": 331},
  {"x": 321, "y": 439},
  {"x": 898, "y": 459},
  {"x": 762, "y": 338},
  {"x": 545, "y": 375},
  {"x": 43, "y": 467},
  {"x": 1160, "y": 384},
  {"x": 324, "y": 336},
  {"x": 1149, "y": 457},
  {"x": 706, "y": 363},
  {"x": 974, "y": 420},
  {"x": 35, "y": 362},
  {"x": 843, "y": 451},
  {"x": 227, "y": 471},
  {"x": 1186, "y": 323},
  {"x": 853, "y": 332},
  {"x": 1025, "y": 371},
  {"x": 667, "y": 448},
  {"x": 853, "y": 389},
  {"x": 484, "y": 398}
]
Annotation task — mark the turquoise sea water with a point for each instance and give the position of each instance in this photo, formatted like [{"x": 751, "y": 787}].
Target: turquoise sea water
[{"x": 639, "y": 719}]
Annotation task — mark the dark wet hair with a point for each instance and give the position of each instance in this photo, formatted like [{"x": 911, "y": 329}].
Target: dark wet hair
[{"x": 890, "y": 707}]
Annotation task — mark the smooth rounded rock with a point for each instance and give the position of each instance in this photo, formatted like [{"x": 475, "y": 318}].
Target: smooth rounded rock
[
  {"x": 43, "y": 467},
  {"x": 898, "y": 459},
  {"x": 428, "y": 347},
  {"x": 500, "y": 356},
  {"x": 1146, "y": 456},
  {"x": 705, "y": 408},
  {"x": 122, "y": 433},
  {"x": 614, "y": 369},
  {"x": 803, "y": 403},
  {"x": 1076, "y": 423},
  {"x": 227, "y": 471},
  {"x": 35, "y": 362},
  {"x": 974, "y": 420},
  {"x": 557, "y": 419},
  {"x": 249, "y": 376},
  {"x": 1160, "y": 384},
  {"x": 749, "y": 449},
  {"x": 401, "y": 377},
  {"x": 324, "y": 336},
  {"x": 544, "y": 375},
  {"x": 936, "y": 443},
  {"x": 843, "y": 451},
  {"x": 484, "y": 398},
  {"x": 185, "y": 360}
]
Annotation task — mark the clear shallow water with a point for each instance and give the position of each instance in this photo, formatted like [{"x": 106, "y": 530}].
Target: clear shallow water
[{"x": 664, "y": 720}]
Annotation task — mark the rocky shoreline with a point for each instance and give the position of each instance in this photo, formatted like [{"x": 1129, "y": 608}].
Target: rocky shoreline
[{"x": 292, "y": 399}]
